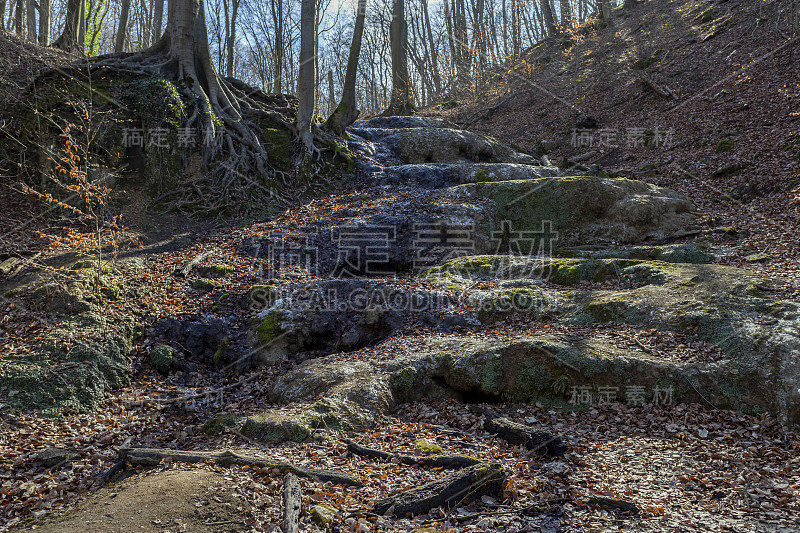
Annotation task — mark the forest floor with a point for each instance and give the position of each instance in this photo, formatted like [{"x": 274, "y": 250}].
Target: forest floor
[{"x": 685, "y": 467}]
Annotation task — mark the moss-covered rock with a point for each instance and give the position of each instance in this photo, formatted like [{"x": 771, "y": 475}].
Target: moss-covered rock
[
  {"x": 757, "y": 258},
  {"x": 77, "y": 289},
  {"x": 162, "y": 358},
  {"x": 299, "y": 424},
  {"x": 695, "y": 253},
  {"x": 427, "y": 446},
  {"x": 54, "y": 377},
  {"x": 220, "y": 423},
  {"x": 322, "y": 514},
  {"x": 538, "y": 214},
  {"x": 444, "y": 145}
]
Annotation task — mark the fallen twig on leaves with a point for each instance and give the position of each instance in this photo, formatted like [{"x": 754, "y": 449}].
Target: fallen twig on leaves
[
  {"x": 183, "y": 272},
  {"x": 443, "y": 461},
  {"x": 467, "y": 484},
  {"x": 153, "y": 456}
]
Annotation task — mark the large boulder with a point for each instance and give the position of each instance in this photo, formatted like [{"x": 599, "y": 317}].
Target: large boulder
[
  {"x": 344, "y": 314},
  {"x": 732, "y": 309},
  {"x": 581, "y": 209},
  {"x": 755, "y": 367},
  {"x": 443, "y": 145},
  {"x": 440, "y": 175}
]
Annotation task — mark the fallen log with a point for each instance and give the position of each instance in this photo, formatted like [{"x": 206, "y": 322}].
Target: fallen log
[
  {"x": 437, "y": 461},
  {"x": 183, "y": 272},
  {"x": 154, "y": 456},
  {"x": 292, "y": 502},
  {"x": 467, "y": 484},
  {"x": 539, "y": 440},
  {"x": 661, "y": 90}
]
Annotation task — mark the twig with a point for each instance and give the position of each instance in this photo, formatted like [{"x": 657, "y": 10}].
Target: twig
[{"x": 191, "y": 264}]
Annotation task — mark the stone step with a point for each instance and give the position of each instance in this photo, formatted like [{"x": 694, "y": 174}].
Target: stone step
[
  {"x": 403, "y": 123},
  {"x": 440, "y": 175},
  {"x": 441, "y": 145}
]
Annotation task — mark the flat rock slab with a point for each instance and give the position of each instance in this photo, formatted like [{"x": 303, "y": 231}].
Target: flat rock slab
[
  {"x": 179, "y": 500},
  {"x": 757, "y": 368},
  {"x": 580, "y": 210}
]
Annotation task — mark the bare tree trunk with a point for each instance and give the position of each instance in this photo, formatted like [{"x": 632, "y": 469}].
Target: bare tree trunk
[
  {"x": 44, "y": 22},
  {"x": 606, "y": 10},
  {"x": 232, "y": 39},
  {"x": 31, "y": 20},
  {"x": 549, "y": 20},
  {"x": 305, "y": 79},
  {"x": 19, "y": 19},
  {"x": 398, "y": 34},
  {"x": 122, "y": 27},
  {"x": 277, "y": 17},
  {"x": 331, "y": 94},
  {"x": 434, "y": 53},
  {"x": 2, "y": 15},
  {"x": 81, "y": 27},
  {"x": 69, "y": 38},
  {"x": 346, "y": 112},
  {"x": 158, "y": 18},
  {"x": 566, "y": 13}
]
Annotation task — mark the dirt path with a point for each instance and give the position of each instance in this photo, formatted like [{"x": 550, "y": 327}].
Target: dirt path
[{"x": 193, "y": 500}]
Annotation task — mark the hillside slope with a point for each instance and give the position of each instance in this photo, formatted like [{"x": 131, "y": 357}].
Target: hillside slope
[{"x": 729, "y": 137}]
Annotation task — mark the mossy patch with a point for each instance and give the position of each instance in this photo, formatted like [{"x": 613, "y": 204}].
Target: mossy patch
[
  {"x": 757, "y": 258},
  {"x": 725, "y": 145},
  {"x": 429, "y": 447},
  {"x": 162, "y": 357},
  {"x": 205, "y": 284},
  {"x": 269, "y": 328},
  {"x": 322, "y": 514},
  {"x": 297, "y": 426},
  {"x": 219, "y": 424},
  {"x": 214, "y": 271},
  {"x": 279, "y": 148},
  {"x": 53, "y": 377}
]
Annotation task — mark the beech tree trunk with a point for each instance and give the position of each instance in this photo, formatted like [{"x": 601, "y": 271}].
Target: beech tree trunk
[
  {"x": 158, "y": 17},
  {"x": 400, "y": 103},
  {"x": 44, "y": 22},
  {"x": 30, "y": 16},
  {"x": 69, "y": 40},
  {"x": 346, "y": 112},
  {"x": 277, "y": 18},
  {"x": 19, "y": 26},
  {"x": 549, "y": 19},
  {"x": 305, "y": 81},
  {"x": 566, "y": 13},
  {"x": 231, "y": 44},
  {"x": 122, "y": 27},
  {"x": 606, "y": 10}
]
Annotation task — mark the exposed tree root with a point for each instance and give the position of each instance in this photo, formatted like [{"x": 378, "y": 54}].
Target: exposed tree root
[
  {"x": 541, "y": 441},
  {"x": 467, "y": 484},
  {"x": 154, "y": 456},
  {"x": 227, "y": 117},
  {"x": 437, "y": 461}
]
